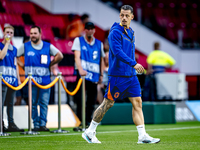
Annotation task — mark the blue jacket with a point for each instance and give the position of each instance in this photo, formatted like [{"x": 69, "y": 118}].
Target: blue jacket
[{"x": 121, "y": 51}]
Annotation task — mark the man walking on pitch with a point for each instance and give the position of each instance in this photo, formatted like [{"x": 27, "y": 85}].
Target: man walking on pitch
[{"x": 122, "y": 81}]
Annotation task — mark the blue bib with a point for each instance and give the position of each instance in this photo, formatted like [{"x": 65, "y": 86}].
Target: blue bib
[
  {"x": 90, "y": 59},
  {"x": 8, "y": 66},
  {"x": 37, "y": 62}
]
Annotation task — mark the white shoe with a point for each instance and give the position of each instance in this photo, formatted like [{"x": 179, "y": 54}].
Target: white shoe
[
  {"x": 90, "y": 137},
  {"x": 148, "y": 139}
]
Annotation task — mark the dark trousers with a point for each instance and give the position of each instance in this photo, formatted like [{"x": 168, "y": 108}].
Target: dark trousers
[
  {"x": 91, "y": 96},
  {"x": 8, "y": 95},
  {"x": 149, "y": 89}
]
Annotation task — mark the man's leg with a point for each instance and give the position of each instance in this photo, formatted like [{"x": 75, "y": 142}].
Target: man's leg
[
  {"x": 137, "y": 112},
  {"x": 78, "y": 100},
  {"x": 25, "y": 94},
  {"x": 10, "y": 103},
  {"x": 34, "y": 108},
  {"x": 102, "y": 109},
  {"x": 91, "y": 92},
  {"x": 44, "y": 96},
  {"x": 138, "y": 119},
  {"x": 90, "y": 134},
  {"x": 18, "y": 97},
  {"x": 4, "y": 91}
]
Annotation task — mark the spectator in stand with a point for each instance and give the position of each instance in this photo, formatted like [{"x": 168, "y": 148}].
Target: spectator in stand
[
  {"x": 9, "y": 69},
  {"x": 37, "y": 55},
  {"x": 89, "y": 54},
  {"x": 76, "y": 28},
  {"x": 23, "y": 93}
]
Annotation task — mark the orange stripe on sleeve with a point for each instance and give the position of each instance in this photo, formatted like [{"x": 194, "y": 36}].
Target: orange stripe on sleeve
[{"x": 109, "y": 94}]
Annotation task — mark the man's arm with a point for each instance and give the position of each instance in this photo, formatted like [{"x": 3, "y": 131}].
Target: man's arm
[
  {"x": 101, "y": 70},
  {"x": 171, "y": 60},
  {"x": 4, "y": 50},
  {"x": 116, "y": 48},
  {"x": 101, "y": 63},
  {"x": 18, "y": 77},
  {"x": 20, "y": 63},
  {"x": 77, "y": 55},
  {"x": 57, "y": 58}
]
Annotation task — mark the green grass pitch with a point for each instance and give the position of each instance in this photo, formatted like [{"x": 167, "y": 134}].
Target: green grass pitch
[{"x": 184, "y": 135}]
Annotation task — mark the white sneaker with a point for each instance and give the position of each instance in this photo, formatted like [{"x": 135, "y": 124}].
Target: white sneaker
[
  {"x": 147, "y": 139},
  {"x": 90, "y": 137}
]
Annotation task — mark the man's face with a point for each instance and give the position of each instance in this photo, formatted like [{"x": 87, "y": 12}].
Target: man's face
[
  {"x": 89, "y": 32},
  {"x": 8, "y": 31},
  {"x": 35, "y": 35},
  {"x": 125, "y": 17}
]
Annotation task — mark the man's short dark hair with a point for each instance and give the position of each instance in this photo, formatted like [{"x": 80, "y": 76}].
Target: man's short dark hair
[
  {"x": 127, "y": 7},
  {"x": 34, "y": 26},
  {"x": 84, "y": 16},
  {"x": 156, "y": 45},
  {"x": 89, "y": 25}
]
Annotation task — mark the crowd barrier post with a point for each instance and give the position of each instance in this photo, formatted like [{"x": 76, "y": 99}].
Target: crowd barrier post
[
  {"x": 59, "y": 107},
  {"x": 30, "y": 132},
  {"x": 1, "y": 114},
  {"x": 83, "y": 103}
]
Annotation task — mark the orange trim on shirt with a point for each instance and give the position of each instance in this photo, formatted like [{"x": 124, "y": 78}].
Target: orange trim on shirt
[{"x": 109, "y": 94}]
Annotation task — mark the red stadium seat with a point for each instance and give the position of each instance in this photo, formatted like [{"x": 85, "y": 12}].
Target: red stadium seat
[
  {"x": 27, "y": 30},
  {"x": 67, "y": 73},
  {"x": 70, "y": 78},
  {"x": 13, "y": 19},
  {"x": 66, "y": 70},
  {"x": 17, "y": 7},
  {"x": 47, "y": 33},
  {"x": 63, "y": 45},
  {"x": 48, "y": 21}
]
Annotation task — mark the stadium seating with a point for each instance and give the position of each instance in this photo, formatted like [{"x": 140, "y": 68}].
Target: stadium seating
[
  {"x": 67, "y": 73},
  {"x": 168, "y": 17},
  {"x": 14, "y": 19},
  {"x": 17, "y": 7},
  {"x": 63, "y": 45}
]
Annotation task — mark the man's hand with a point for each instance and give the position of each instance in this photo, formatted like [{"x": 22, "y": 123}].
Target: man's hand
[
  {"x": 7, "y": 37},
  {"x": 139, "y": 68},
  {"x": 19, "y": 82},
  {"x": 82, "y": 72},
  {"x": 100, "y": 79}
]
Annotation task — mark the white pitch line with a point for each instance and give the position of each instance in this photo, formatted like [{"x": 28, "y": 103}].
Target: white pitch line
[{"x": 54, "y": 134}]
